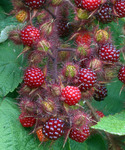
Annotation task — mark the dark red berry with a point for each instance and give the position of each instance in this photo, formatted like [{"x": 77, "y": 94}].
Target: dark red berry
[
  {"x": 100, "y": 114},
  {"x": 53, "y": 128},
  {"x": 27, "y": 121},
  {"x": 100, "y": 93},
  {"x": 71, "y": 95},
  {"x": 120, "y": 8},
  {"x": 79, "y": 135},
  {"x": 121, "y": 74},
  {"x": 30, "y": 35},
  {"x": 33, "y": 77},
  {"x": 63, "y": 28},
  {"x": 86, "y": 78},
  {"x": 105, "y": 13},
  {"x": 109, "y": 53},
  {"x": 91, "y": 5},
  {"x": 34, "y": 3},
  {"x": 78, "y": 3}
]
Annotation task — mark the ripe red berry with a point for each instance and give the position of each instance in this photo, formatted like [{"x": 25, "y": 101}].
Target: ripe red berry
[
  {"x": 53, "y": 128},
  {"x": 121, "y": 74},
  {"x": 84, "y": 38},
  {"x": 79, "y": 135},
  {"x": 34, "y": 3},
  {"x": 91, "y": 5},
  {"x": 105, "y": 13},
  {"x": 30, "y": 35},
  {"x": 100, "y": 93},
  {"x": 71, "y": 95},
  {"x": 86, "y": 78},
  {"x": 120, "y": 8},
  {"x": 63, "y": 28},
  {"x": 109, "y": 53},
  {"x": 100, "y": 114},
  {"x": 33, "y": 77},
  {"x": 27, "y": 121}
]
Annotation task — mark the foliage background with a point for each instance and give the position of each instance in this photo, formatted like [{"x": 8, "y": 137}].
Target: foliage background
[{"x": 12, "y": 135}]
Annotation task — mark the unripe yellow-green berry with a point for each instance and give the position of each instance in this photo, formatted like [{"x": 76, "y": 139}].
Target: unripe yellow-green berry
[
  {"x": 70, "y": 71},
  {"x": 21, "y": 16},
  {"x": 82, "y": 14},
  {"x": 101, "y": 35}
]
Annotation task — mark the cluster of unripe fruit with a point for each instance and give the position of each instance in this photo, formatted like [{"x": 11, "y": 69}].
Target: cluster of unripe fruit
[{"x": 50, "y": 95}]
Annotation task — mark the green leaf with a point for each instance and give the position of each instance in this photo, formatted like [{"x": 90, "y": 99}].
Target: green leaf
[
  {"x": 112, "y": 124},
  {"x": 113, "y": 103},
  {"x": 12, "y": 135},
  {"x": 10, "y": 67},
  {"x": 8, "y": 21},
  {"x": 78, "y": 146},
  {"x": 58, "y": 145},
  {"x": 96, "y": 142},
  {"x": 8, "y": 24},
  {"x": 6, "y": 5},
  {"x": 2, "y": 14}
]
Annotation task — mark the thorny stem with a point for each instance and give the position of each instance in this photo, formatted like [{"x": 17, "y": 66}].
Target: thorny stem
[
  {"x": 55, "y": 67},
  {"x": 71, "y": 4},
  {"x": 92, "y": 110},
  {"x": 67, "y": 49},
  {"x": 123, "y": 53},
  {"x": 51, "y": 56},
  {"x": 113, "y": 146},
  {"x": 54, "y": 17},
  {"x": 30, "y": 20},
  {"x": 121, "y": 143}
]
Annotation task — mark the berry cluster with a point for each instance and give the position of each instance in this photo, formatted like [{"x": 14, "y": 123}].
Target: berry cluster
[
  {"x": 60, "y": 76},
  {"x": 105, "y": 11}
]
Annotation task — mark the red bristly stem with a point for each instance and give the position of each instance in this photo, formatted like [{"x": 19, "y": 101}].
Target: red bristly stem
[
  {"x": 92, "y": 110},
  {"x": 51, "y": 56},
  {"x": 71, "y": 4},
  {"x": 54, "y": 17},
  {"x": 55, "y": 66},
  {"x": 67, "y": 49}
]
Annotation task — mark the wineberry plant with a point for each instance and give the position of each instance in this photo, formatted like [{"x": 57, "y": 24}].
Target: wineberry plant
[{"x": 62, "y": 74}]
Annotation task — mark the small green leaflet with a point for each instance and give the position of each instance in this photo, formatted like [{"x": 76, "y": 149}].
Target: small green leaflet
[{"x": 113, "y": 124}]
